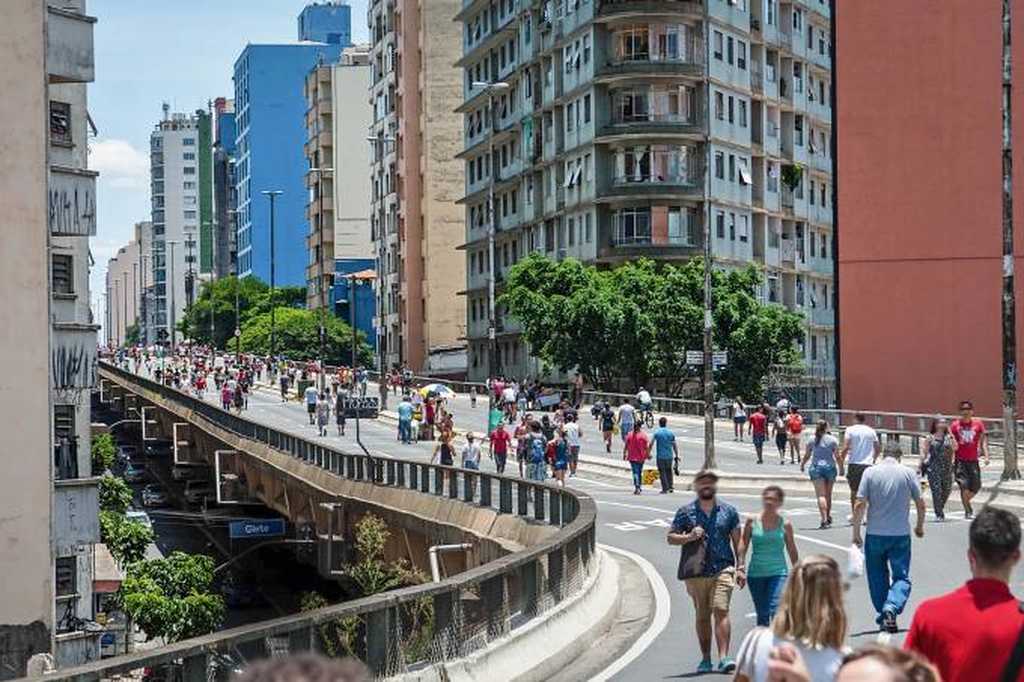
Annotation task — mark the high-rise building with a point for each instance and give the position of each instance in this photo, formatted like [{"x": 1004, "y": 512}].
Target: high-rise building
[
  {"x": 622, "y": 128},
  {"x": 416, "y": 182},
  {"x": 225, "y": 251},
  {"x": 48, "y": 497},
  {"x": 326, "y": 22},
  {"x": 175, "y": 185},
  {"x": 338, "y": 155},
  {"x": 920, "y": 192},
  {"x": 207, "y": 226},
  {"x": 270, "y": 112},
  {"x": 127, "y": 281}
]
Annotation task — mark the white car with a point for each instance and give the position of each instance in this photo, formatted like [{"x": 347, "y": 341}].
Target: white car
[{"x": 140, "y": 516}]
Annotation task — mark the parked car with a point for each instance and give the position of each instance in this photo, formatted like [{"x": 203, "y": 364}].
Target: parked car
[
  {"x": 134, "y": 473},
  {"x": 154, "y": 495},
  {"x": 139, "y": 515},
  {"x": 126, "y": 453},
  {"x": 196, "y": 490},
  {"x": 160, "y": 447},
  {"x": 190, "y": 472}
]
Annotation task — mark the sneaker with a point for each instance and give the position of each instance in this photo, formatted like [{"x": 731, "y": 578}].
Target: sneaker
[
  {"x": 889, "y": 622},
  {"x": 727, "y": 665},
  {"x": 705, "y": 666}
]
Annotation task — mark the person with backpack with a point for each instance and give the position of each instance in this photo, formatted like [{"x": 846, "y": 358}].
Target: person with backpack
[{"x": 536, "y": 446}]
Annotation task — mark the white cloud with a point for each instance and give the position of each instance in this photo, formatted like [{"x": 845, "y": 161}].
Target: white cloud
[{"x": 121, "y": 166}]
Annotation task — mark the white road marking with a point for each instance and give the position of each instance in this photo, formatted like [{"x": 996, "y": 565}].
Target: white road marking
[{"x": 662, "y": 614}]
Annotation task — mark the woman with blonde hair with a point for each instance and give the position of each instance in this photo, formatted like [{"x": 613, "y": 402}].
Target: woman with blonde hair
[{"x": 810, "y": 618}]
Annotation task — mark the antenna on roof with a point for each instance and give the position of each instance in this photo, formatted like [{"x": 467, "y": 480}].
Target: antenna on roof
[{"x": 167, "y": 109}]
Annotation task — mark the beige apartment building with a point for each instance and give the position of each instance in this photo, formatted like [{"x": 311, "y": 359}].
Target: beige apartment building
[
  {"x": 416, "y": 180},
  {"x": 128, "y": 280},
  {"x": 336, "y": 149},
  {"x": 48, "y": 500}
]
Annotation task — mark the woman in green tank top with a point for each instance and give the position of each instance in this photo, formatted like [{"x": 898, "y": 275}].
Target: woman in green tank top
[{"x": 769, "y": 537}]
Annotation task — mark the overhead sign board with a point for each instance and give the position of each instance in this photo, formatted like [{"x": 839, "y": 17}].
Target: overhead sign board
[
  {"x": 255, "y": 528},
  {"x": 719, "y": 358}
]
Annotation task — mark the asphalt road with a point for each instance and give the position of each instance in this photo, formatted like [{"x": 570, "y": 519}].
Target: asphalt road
[{"x": 638, "y": 524}]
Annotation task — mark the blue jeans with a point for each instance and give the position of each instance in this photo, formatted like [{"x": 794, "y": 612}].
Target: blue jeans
[
  {"x": 765, "y": 592},
  {"x": 537, "y": 471},
  {"x": 404, "y": 430},
  {"x": 638, "y": 474},
  {"x": 887, "y": 562}
]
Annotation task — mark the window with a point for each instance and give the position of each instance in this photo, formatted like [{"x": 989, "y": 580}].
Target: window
[
  {"x": 720, "y": 165},
  {"x": 720, "y": 224},
  {"x": 719, "y": 106},
  {"x": 814, "y": 244},
  {"x": 569, "y": 116},
  {"x": 729, "y": 50},
  {"x": 62, "y": 276},
  {"x": 745, "y": 178},
  {"x": 190, "y": 215},
  {"x": 718, "y": 45},
  {"x": 189, "y": 200},
  {"x": 189, "y": 170},
  {"x": 188, "y": 141},
  {"x": 632, "y": 226},
  {"x": 744, "y": 228},
  {"x": 572, "y": 231},
  {"x": 66, "y": 576},
  {"x": 732, "y": 168},
  {"x": 773, "y": 238},
  {"x": 741, "y": 54},
  {"x": 732, "y": 226},
  {"x": 798, "y": 20},
  {"x": 743, "y": 113},
  {"x": 189, "y": 156},
  {"x": 587, "y": 229},
  {"x": 732, "y": 103},
  {"x": 586, "y": 108},
  {"x": 60, "y": 123},
  {"x": 586, "y": 49}
]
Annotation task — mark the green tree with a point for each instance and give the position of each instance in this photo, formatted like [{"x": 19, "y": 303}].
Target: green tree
[
  {"x": 637, "y": 321},
  {"x": 171, "y": 597},
  {"x": 103, "y": 452},
  {"x": 131, "y": 335},
  {"x": 297, "y": 337},
  {"x": 115, "y": 495},
  {"x": 127, "y": 540}
]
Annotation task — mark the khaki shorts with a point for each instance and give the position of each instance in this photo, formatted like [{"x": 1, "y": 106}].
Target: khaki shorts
[{"x": 712, "y": 593}]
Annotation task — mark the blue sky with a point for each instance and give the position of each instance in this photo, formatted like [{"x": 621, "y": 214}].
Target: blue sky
[{"x": 151, "y": 51}]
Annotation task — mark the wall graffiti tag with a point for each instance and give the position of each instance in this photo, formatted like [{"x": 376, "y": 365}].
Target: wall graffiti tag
[
  {"x": 74, "y": 367},
  {"x": 72, "y": 204}
]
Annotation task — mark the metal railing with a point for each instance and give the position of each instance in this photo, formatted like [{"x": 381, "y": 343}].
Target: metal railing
[{"x": 406, "y": 629}]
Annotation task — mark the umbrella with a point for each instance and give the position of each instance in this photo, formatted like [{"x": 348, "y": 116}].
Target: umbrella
[{"x": 437, "y": 390}]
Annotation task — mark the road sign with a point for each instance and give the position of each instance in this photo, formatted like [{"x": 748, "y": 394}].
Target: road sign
[
  {"x": 695, "y": 357},
  {"x": 255, "y": 528},
  {"x": 238, "y": 332},
  {"x": 720, "y": 358}
]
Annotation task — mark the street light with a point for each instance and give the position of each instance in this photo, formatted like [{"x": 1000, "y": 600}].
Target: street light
[
  {"x": 272, "y": 194},
  {"x": 492, "y": 343},
  {"x": 320, "y": 290},
  {"x": 378, "y": 152}
]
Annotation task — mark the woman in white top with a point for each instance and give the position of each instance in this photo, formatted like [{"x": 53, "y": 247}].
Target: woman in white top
[
  {"x": 810, "y": 618},
  {"x": 739, "y": 418}
]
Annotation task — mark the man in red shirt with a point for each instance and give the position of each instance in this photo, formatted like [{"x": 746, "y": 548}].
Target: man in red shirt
[
  {"x": 970, "y": 633},
  {"x": 758, "y": 428},
  {"x": 500, "y": 439},
  {"x": 969, "y": 434}
]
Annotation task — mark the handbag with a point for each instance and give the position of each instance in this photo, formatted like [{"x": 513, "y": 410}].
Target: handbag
[{"x": 693, "y": 555}]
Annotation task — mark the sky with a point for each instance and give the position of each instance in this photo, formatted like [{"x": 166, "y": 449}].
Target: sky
[{"x": 152, "y": 51}]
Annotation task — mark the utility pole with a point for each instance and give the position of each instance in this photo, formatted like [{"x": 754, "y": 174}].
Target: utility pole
[
  {"x": 1011, "y": 469},
  {"x": 709, "y": 369},
  {"x": 273, "y": 194}
]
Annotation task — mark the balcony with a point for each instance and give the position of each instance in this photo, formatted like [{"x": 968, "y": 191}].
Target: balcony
[
  {"x": 649, "y": 123},
  {"x": 76, "y": 507},
  {"x": 69, "y": 46},
  {"x": 71, "y": 202},
  {"x": 821, "y": 317},
  {"x": 623, "y": 10},
  {"x": 644, "y": 67}
]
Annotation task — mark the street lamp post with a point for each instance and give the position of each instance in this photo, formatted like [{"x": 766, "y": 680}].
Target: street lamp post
[
  {"x": 320, "y": 288},
  {"x": 1011, "y": 468},
  {"x": 492, "y": 341},
  {"x": 352, "y": 282},
  {"x": 272, "y": 194}
]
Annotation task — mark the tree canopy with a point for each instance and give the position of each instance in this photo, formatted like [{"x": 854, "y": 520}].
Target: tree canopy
[
  {"x": 638, "y": 320},
  {"x": 297, "y": 337},
  {"x": 126, "y": 539},
  {"x": 217, "y": 298},
  {"x": 171, "y": 597}
]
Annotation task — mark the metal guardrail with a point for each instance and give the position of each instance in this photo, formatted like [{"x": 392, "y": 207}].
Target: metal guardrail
[{"x": 410, "y": 628}]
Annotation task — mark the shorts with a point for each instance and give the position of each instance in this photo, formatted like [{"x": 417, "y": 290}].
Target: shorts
[
  {"x": 780, "y": 440},
  {"x": 310, "y": 408},
  {"x": 759, "y": 440},
  {"x": 711, "y": 593},
  {"x": 574, "y": 454},
  {"x": 521, "y": 454},
  {"x": 855, "y": 472},
  {"x": 740, "y": 420},
  {"x": 561, "y": 465},
  {"x": 473, "y": 466},
  {"x": 968, "y": 475},
  {"x": 819, "y": 472}
]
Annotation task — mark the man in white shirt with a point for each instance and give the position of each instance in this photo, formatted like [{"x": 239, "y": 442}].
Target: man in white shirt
[
  {"x": 643, "y": 399},
  {"x": 860, "y": 450}
]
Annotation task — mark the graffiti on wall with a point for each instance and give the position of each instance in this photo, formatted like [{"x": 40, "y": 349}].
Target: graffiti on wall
[
  {"x": 72, "y": 205},
  {"x": 74, "y": 367}
]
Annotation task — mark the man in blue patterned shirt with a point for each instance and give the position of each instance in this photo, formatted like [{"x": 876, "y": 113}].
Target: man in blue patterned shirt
[{"x": 717, "y": 525}]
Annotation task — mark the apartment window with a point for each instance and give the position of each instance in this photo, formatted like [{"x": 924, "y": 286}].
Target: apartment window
[
  {"x": 773, "y": 238},
  {"x": 812, "y": 198},
  {"x": 718, "y": 45},
  {"x": 798, "y": 20},
  {"x": 188, "y": 141},
  {"x": 720, "y": 224},
  {"x": 719, "y": 106},
  {"x": 586, "y": 49},
  {"x": 586, "y": 108},
  {"x": 732, "y": 104},
  {"x": 798, "y": 130},
  {"x": 814, "y": 244},
  {"x": 189, "y": 156},
  {"x": 189, "y": 170},
  {"x": 572, "y": 231},
  {"x": 744, "y": 228},
  {"x": 190, "y": 215},
  {"x": 189, "y": 200},
  {"x": 822, "y": 190},
  {"x": 66, "y": 576},
  {"x": 741, "y": 54},
  {"x": 744, "y": 172},
  {"x": 587, "y": 228},
  {"x": 720, "y": 165},
  {"x": 569, "y": 116},
  {"x": 158, "y": 187},
  {"x": 732, "y": 226},
  {"x": 63, "y": 274},
  {"x": 824, "y": 247},
  {"x": 732, "y": 168},
  {"x": 729, "y": 50},
  {"x": 743, "y": 113},
  {"x": 60, "y": 123},
  {"x": 633, "y": 225}
]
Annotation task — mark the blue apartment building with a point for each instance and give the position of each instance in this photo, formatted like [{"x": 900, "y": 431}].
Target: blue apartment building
[{"x": 270, "y": 110}]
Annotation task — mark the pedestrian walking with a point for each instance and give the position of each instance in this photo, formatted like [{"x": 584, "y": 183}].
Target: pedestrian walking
[
  {"x": 757, "y": 425},
  {"x": 636, "y": 451},
  {"x": 573, "y": 435},
  {"x": 311, "y": 398},
  {"x": 971, "y": 441},
  {"x": 499, "y": 443},
  {"x": 323, "y": 414},
  {"x": 781, "y": 435},
  {"x": 443, "y": 453},
  {"x": 607, "y": 419},
  {"x": 974, "y": 632},
  {"x": 559, "y": 449},
  {"x": 823, "y": 471},
  {"x": 861, "y": 448},
  {"x": 522, "y": 437},
  {"x": 739, "y": 418},
  {"x": 626, "y": 418},
  {"x": 811, "y": 619},
  {"x": 341, "y": 407},
  {"x": 885, "y": 492},
  {"x": 666, "y": 452},
  {"x": 471, "y": 453},
  {"x": 284, "y": 387},
  {"x": 769, "y": 538},
  {"x": 937, "y": 465},
  {"x": 226, "y": 398},
  {"x": 794, "y": 430},
  {"x": 709, "y": 569},
  {"x": 472, "y": 396},
  {"x": 535, "y": 451}
]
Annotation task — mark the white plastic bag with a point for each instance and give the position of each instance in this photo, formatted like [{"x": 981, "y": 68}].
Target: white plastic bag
[{"x": 854, "y": 563}]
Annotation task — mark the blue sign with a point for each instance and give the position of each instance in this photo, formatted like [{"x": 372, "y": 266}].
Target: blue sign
[{"x": 255, "y": 528}]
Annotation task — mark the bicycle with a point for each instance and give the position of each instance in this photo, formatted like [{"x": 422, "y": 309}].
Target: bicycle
[{"x": 645, "y": 414}]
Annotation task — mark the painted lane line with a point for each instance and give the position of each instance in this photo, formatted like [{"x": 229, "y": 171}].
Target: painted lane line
[{"x": 662, "y": 614}]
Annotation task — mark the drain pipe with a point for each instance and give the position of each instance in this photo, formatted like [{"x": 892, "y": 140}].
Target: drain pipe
[{"x": 435, "y": 569}]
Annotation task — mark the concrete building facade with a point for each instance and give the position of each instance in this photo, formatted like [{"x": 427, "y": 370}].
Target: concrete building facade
[
  {"x": 621, "y": 128},
  {"x": 416, "y": 181},
  {"x": 337, "y": 156},
  {"x": 128, "y": 285},
  {"x": 48, "y": 499},
  {"x": 270, "y": 117}
]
